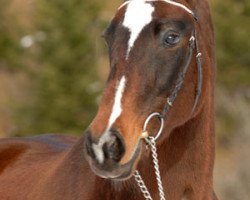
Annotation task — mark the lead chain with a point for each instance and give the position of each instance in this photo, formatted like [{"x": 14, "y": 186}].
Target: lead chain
[
  {"x": 139, "y": 180},
  {"x": 142, "y": 185}
]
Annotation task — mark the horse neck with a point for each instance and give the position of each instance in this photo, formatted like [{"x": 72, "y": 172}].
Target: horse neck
[{"x": 186, "y": 157}]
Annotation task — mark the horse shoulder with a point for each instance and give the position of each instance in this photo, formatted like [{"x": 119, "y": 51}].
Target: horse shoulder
[
  {"x": 26, "y": 162},
  {"x": 13, "y": 150}
]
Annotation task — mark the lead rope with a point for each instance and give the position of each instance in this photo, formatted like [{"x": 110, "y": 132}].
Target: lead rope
[{"x": 152, "y": 144}]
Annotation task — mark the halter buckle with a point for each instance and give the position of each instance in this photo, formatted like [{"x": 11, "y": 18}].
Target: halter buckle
[
  {"x": 170, "y": 103},
  {"x": 199, "y": 55},
  {"x": 192, "y": 42},
  {"x": 199, "y": 59}
]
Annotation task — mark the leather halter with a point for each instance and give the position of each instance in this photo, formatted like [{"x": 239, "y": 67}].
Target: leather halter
[
  {"x": 193, "y": 42},
  {"x": 151, "y": 141}
]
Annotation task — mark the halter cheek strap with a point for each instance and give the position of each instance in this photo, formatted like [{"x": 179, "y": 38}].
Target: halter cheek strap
[
  {"x": 199, "y": 73},
  {"x": 180, "y": 79},
  {"x": 193, "y": 42},
  {"x": 179, "y": 83}
]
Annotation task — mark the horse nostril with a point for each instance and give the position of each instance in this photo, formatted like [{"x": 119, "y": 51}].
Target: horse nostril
[
  {"x": 114, "y": 148},
  {"x": 107, "y": 148}
]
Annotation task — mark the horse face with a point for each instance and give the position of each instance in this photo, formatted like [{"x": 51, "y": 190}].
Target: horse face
[{"x": 148, "y": 45}]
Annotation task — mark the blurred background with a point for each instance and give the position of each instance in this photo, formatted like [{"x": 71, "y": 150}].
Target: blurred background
[{"x": 53, "y": 66}]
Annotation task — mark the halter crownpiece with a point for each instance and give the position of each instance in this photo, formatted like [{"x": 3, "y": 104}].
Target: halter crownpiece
[{"x": 166, "y": 1}]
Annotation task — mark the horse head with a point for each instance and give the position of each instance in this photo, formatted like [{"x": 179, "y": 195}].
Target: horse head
[{"x": 152, "y": 49}]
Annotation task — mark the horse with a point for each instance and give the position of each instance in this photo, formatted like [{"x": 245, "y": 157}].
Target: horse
[{"x": 153, "y": 134}]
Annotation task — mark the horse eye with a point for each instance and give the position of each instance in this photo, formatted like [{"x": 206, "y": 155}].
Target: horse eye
[{"x": 172, "y": 39}]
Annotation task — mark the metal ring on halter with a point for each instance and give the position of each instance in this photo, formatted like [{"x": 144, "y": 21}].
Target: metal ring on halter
[{"x": 148, "y": 120}]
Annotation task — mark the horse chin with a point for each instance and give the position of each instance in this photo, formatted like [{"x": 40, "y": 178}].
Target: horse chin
[{"x": 116, "y": 171}]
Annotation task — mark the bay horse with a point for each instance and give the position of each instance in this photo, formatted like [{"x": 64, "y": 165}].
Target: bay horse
[{"x": 153, "y": 134}]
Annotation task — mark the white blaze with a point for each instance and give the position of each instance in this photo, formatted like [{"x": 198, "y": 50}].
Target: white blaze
[
  {"x": 116, "y": 112},
  {"x": 117, "y": 108},
  {"x": 137, "y": 16}
]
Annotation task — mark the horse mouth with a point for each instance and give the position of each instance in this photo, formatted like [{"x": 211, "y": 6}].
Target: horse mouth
[{"x": 116, "y": 171}]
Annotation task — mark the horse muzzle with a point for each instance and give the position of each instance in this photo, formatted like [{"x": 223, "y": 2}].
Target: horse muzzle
[{"x": 105, "y": 153}]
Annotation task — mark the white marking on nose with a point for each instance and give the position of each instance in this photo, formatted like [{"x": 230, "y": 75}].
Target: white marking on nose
[
  {"x": 137, "y": 16},
  {"x": 117, "y": 107},
  {"x": 116, "y": 112},
  {"x": 97, "y": 148}
]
